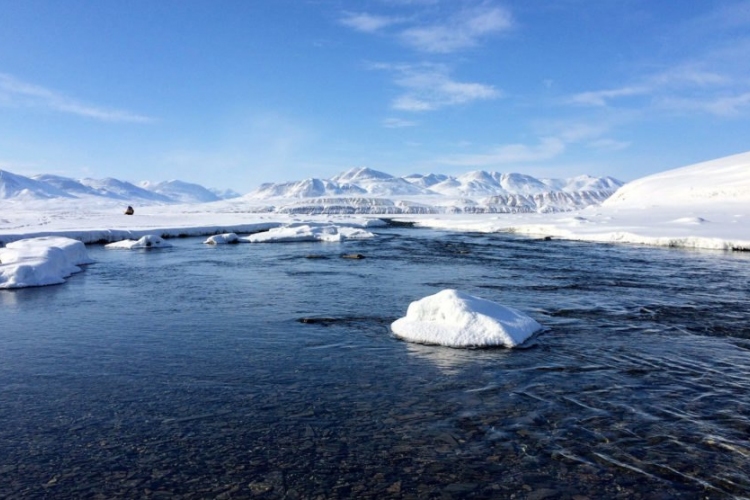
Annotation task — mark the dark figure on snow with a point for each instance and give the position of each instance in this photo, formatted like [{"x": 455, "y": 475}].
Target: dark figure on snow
[{"x": 129, "y": 210}]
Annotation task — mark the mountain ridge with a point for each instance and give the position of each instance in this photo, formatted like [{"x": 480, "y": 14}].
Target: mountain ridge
[
  {"x": 357, "y": 190},
  {"x": 48, "y": 186}
]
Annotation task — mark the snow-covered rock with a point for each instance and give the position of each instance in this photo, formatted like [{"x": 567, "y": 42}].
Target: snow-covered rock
[
  {"x": 457, "y": 319},
  {"x": 148, "y": 241},
  {"x": 40, "y": 261},
  {"x": 222, "y": 239},
  {"x": 308, "y": 232}
]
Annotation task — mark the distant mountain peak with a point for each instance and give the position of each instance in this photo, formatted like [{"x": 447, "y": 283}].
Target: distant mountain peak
[
  {"x": 48, "y": 186},
  {"x": 356, "y": 174}
]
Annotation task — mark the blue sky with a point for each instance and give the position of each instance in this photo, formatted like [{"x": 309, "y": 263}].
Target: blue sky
[{"x": 230, "y": 94}]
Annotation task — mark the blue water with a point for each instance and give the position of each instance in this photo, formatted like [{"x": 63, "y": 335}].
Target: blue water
[{"x": 186, "y": 373}]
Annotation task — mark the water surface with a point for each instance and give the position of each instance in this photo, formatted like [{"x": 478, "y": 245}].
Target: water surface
[{"x": 186, "y": 373}]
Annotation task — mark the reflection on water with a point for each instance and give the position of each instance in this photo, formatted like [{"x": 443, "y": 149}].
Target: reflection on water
[{"x": 186, "y": 373}]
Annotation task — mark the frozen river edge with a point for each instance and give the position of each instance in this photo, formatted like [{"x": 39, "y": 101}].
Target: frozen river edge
[{"x": 724, "y": 228}]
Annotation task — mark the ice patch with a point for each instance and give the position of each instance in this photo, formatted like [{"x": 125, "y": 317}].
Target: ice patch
[
  {"x": 148, "y": 241},
  {"x": 308, "y": 232},
  {"x": 456, "y": 319},
  {"x": 40, "y": 261}
]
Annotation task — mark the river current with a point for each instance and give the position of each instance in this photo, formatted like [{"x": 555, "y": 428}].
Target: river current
[{"x": 189, "y": 372}]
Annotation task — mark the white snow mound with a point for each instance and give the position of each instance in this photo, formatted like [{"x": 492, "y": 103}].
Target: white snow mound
[
  {"x": 40, "y": 261},
  {"x": 457, "y": 319},
  {"x": 308, "y": 232},
  {"x": 148, "y": 241},
  {"x": 222, "y": 239}
]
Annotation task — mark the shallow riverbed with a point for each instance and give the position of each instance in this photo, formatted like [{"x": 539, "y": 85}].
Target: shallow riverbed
[{"x": 186, "y": 373}]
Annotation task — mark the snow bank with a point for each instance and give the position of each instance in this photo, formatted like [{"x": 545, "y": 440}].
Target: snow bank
[
  {"x": 222, "y": 239},
  {"x": 148, "y": 241},
  {"x": 308, "y": 232},
  {"x": 40, "y": 261},
  {"x": 456, "y": 319},
  {"x": 725, "y": 180}
]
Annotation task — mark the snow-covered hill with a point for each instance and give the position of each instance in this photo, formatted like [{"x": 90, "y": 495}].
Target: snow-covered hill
[{"x": 723, "y": 180}]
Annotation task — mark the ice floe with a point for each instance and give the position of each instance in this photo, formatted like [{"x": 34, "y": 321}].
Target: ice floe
[
  {"x": 40, "y": 261},
  {"x": 457, "y": 319},
  {"x": 148, "y": 241},
  {"x": 308, "y": 232}
]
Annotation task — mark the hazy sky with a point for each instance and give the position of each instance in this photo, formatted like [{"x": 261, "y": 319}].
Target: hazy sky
[{"x": 230, "y": 94}]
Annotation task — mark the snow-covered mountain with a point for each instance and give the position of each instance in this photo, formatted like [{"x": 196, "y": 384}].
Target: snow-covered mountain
[
  {"x": 46, "y": 186},
  {"x": 122, "y": 190},
  {"x": 225, "y": 194},
  {"x": 184, "y": 192},
  {"x": 354, "y": 191},
  {"x": 307, "y": 188},
  {"x": 18, "y": 186},
  {"x": 367, "y": 191},
  {"x": 379, "y": 183}
]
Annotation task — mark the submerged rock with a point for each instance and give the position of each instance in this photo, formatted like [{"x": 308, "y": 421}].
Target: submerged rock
[
  {"x": 457, "y": 319},
  {"x": 353, "y": 256}
]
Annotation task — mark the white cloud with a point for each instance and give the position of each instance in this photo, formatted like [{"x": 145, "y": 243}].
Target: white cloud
[
  {"x": 688, "y": 75},
  {"x": 677, "y": 82},
  {"x": 682, "y": 88},
  {"x": 548, "y": 148},
  {"x": 725, "y": 106},
  {"x": 461, "y": 31},
  {"x": 577, "y": 131},
  {"x": 367, "y": 23},
  {"x": 14, "y": 92},
  {"x": 608, "y": 145},
  {"x": 398, "y": 123},
  {"x": 410, "y": 2},
  {"x": 601, "y": 97},
  {"x": 429, "y": 87}
]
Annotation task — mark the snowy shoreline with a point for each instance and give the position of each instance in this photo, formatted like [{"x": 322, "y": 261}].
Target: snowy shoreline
[{"x": 709, "y": 229}]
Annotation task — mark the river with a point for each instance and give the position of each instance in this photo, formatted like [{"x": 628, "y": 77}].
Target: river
[{"x": 188, "y": 373}]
